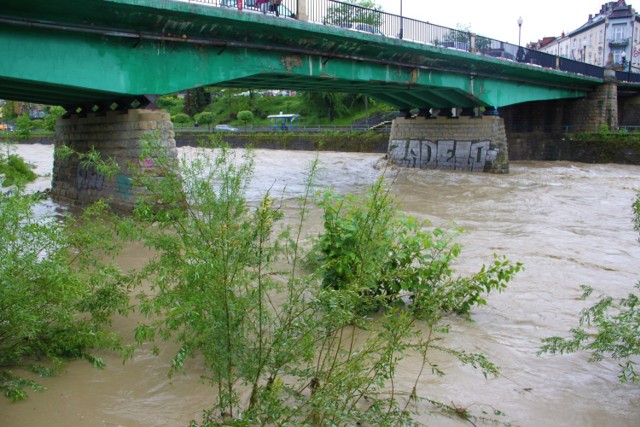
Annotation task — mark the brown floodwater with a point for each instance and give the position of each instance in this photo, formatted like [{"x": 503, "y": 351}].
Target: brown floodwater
[{"x": 569, "y": 223}]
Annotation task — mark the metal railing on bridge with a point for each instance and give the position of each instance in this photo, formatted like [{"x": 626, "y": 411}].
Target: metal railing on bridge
[{"x": 373, "y": 21}]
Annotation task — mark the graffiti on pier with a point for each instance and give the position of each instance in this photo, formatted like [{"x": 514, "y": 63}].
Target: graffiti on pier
[
  {"x": 87, "y": 178},
  {"x": 445, "y": 154},
  {"x": 123, "y": 186},
  {"x": 147, "y": 163}
]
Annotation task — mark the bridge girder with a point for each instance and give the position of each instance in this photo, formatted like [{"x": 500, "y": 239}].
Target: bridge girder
[{"x": 56, "y": 62}]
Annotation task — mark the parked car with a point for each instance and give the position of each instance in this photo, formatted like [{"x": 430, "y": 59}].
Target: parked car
[
  {"x": 4, "y": 127},
  {"x": 250, "y": 6},
  {"x": 365, "y": 28},
  {"x": 454, "y": 44},
  {"x": 500, "y": 53},
  {"x": 225, "y": 128}
]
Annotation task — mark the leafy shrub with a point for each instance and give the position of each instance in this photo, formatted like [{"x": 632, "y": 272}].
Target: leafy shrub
[
  {"x": 373, "y": 250},
  {"x": 245, "y": 116},
  {"x": 50, "y": 119},
  {"x": 228, "y": 287},
  {"x": 15, "y": 170},
  {"x": 172, "y": 103},
  {"x": 56, "y": 298},
  {"x": 204, "y": 118},
  {"x": 23, "y": 126},
  {"x": 181, "y": 119}
]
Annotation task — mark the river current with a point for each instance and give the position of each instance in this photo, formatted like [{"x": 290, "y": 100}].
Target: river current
[{"x": 569, "y": 223}]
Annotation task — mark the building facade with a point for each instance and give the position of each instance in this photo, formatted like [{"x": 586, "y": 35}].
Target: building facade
[{"x": 611, "y": 37}]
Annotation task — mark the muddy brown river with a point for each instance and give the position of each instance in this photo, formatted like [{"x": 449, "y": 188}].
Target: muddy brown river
[{"x": 569, "y": 223}]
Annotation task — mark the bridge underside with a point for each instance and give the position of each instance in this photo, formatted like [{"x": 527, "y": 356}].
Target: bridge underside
[{"x": 117, "y": 50}]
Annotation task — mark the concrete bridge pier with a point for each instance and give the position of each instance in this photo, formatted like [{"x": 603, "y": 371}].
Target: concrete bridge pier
[
  {"x": 465, "y": 143},
  {"x": 115, "y": 135}
]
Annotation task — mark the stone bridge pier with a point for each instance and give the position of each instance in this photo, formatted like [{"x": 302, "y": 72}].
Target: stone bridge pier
[
  {"x": 464, "y": 143},
  {"x": 115, "y": 135}
]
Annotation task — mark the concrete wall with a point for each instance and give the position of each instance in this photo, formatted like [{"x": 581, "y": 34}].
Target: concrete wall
[
  {"x": 115, "y": 135},
  {"x": 477, "y": 144}
]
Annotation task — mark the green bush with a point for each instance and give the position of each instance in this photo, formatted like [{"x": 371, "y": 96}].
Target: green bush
[
  {"x": 15, "y": 170},
  {"x": 181, "y": 119},
  {"x": 50, "y": 119},
  {"x": 245, "y": 117},
  {"x": 204, "y": 118},
  {"x": 369, "y": 248},
  {"x": 228, "y": 286},
  {"x": 56, "y": 298},
  {"x": 23, "y": 126},
  {"x": 172, "y": 103}
]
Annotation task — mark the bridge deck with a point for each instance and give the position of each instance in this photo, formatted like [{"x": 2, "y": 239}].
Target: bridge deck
[{"x": 59, "y": 53}]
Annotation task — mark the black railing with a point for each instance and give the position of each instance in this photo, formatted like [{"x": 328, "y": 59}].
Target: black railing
[
  {"x": 372, "y": 21},
  {"x": 285, "y": 8}
]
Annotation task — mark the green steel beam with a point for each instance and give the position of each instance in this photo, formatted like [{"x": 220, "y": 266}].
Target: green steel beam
[{"x": 58, "y": 53}]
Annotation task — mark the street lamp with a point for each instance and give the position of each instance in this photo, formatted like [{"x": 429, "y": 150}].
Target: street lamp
[
  {"x": 401, "y": 22},
  {"x": 519, "y": 30}
]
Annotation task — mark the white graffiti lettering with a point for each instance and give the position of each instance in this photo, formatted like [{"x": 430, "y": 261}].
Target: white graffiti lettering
[{"x": 444, "y": 154}]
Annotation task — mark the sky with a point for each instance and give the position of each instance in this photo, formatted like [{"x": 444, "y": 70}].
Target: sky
[{"x": 498, "y": 19}]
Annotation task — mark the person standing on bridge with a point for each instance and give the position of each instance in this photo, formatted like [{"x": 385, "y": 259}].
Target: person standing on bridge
[
  {"x": 275, "y": 6},
  {"x": 263, "y": 5}
]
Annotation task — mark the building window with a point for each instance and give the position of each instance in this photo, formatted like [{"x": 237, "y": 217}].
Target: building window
[
  {"x": 617, "y": 56},
  {"x": 619, "y": 31}
]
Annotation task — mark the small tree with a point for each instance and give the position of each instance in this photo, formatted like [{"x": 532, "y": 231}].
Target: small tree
[
  {"x": 56, "y": 297},
  {"x": 230, "y": 289},
  {"x": 24, "y": 126},
  {"x": 8, "y": 110},
  {"x": 245, "y": 117},
  {"x": 15, "y": 171},
  {"x": 204, "y": 118},
  {"x": 362, "y": 11},
  {"x": 181, "y": 119},
  {"x": 172, "y": 103},
  {"x": 51, "y": 118}
]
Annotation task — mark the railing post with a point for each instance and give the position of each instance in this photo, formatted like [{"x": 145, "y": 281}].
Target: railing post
[
  {"x": 472, "y": 43},
  {"x": 303, "y": 10}
]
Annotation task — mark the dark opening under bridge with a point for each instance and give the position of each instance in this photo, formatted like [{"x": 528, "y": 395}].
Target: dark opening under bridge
[{"x": 103, "y": 56}]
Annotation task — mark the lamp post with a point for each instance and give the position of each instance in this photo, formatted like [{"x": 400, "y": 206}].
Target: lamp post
[
  {"x": 624, "y": 64},
  {"x": 401, "y": 22},
  {"x": 519, "y": 30}
]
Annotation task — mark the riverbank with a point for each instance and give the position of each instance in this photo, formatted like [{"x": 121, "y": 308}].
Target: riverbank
[
  {"x": 355, "y": 142},
  {"x": 600, "y": 148}
]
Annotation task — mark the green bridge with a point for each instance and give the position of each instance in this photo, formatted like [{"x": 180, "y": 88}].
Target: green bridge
[
  {"x": 97, "y": 57},
  {"x": 63, "y": 52}
]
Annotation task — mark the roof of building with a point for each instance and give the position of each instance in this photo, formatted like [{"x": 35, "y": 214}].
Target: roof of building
[{"x": 612, "y": 10}]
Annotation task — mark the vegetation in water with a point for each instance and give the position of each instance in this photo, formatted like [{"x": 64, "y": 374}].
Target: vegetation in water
[
  {"x": 56, "y": 298},
  {"x": 610, "y": 328},
  {"x": 281, "y": 344},
  {"x": 59, "y": 284},
  {"x": 14, "y": 170}
]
